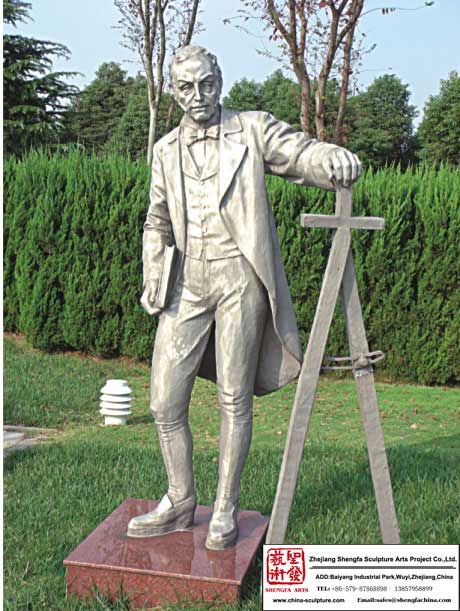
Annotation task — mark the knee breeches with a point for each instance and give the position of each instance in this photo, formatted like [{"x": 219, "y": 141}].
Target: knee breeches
[{"x": 228, "y": 294}]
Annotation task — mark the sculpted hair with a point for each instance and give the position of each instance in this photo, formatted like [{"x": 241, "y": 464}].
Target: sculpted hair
[{"x": 194, "y": 51}]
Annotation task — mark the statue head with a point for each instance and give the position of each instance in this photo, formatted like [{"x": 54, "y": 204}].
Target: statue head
[{"x": 196, "y": 80}]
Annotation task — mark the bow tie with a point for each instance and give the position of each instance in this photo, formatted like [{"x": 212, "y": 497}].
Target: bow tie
[{"x": 194, "y": 135}]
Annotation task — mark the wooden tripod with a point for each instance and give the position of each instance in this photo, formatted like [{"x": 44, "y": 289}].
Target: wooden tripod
[{"x": 339, "y": 275}]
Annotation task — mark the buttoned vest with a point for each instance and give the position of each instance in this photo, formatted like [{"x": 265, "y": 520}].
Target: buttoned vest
[{"x": 207, "y": 235}]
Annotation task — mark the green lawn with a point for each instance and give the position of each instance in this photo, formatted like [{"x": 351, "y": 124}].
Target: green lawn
[{"x": 58, "y": 492}]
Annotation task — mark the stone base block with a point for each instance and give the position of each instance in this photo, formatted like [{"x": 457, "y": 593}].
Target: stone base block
[{"x": 172, "y": 568}]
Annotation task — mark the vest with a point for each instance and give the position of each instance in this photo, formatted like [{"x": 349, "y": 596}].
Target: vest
[{"x": 207, "y": 236}]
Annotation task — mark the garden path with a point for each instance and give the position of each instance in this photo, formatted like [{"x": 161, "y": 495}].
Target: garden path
[{"x": 21, "y": 437}]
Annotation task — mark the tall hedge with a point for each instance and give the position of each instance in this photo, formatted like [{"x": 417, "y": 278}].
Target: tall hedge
[
  {"x": 73, "y": 254},
  {"x": 408, "y": 274},
  {"x": 72, "y": 259}
]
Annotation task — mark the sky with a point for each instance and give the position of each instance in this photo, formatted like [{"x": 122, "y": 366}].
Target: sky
[{"x": 420, "y": 46}]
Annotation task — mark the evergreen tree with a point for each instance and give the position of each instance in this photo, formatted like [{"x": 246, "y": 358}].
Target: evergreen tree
[
  {"x": 132, "y": 130},
  {"x": 439, "y": 131},
  {"x": 97, "y": 111},
  {"x": 34, "y": 98},
  {"x": 382, "y": 124},
  {"x": 130, "y": 134},
  {"x": 244, "y": 95},
  {"x": 280, "y": 95}
]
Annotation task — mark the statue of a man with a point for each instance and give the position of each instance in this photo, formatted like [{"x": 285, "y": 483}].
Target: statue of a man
[{"x": 229, "y": 316}]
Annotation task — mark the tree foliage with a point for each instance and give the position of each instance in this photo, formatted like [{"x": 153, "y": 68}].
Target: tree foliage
[
  {"x": 317, "y": 38},
  {"x": 280, "y": 95},
  {"x": 244, "y": 95},
  {"x": 319, "y": 41},
  {"x": 439, "y": 131},
  {"x": 154, "y": 29},
  {"x": 131, "y": 133},
  {"x": 35, "y": 99},
  {"x": 112, "y": 113},
  {"x": 99, "y": 107},
  {"x": 378, "y": 124},
  {"x": 382, "y": 123}
]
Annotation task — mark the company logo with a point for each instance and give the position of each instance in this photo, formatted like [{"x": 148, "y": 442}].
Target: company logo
[{"x": 285, "y": 566}]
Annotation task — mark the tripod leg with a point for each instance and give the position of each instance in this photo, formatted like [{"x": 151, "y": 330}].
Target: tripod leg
[
  {"x": 306, "y": 387},
  {"x": 367, "y": 398}
]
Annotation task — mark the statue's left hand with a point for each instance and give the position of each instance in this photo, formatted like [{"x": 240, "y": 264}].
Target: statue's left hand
[{"x": 342, "y": 167}]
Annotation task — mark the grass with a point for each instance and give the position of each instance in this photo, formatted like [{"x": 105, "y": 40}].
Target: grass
[{"x": 58, "y": 492}]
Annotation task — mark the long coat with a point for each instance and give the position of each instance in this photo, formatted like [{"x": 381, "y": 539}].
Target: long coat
[{"x": 251, "y": 145}]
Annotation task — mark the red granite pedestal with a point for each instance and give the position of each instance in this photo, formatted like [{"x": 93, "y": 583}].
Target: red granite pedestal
[{"x": 158, "y": 570}]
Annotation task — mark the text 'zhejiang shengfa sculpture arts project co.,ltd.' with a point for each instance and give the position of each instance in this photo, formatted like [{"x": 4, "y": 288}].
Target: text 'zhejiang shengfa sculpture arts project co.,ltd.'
[{"x": 225, "y": 309}]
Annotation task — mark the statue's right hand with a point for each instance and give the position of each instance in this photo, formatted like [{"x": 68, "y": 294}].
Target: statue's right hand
[{"x": 148, "y": 300}]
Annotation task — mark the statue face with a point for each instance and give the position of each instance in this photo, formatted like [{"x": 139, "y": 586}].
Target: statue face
[{"x": 196, "y": 88}]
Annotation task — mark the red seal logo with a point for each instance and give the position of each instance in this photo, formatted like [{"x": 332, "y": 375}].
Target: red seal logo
[{"x": 285, "y": 565}]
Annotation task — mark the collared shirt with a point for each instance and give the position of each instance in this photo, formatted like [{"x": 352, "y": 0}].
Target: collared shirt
[{"x": 203, "y": 147}]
